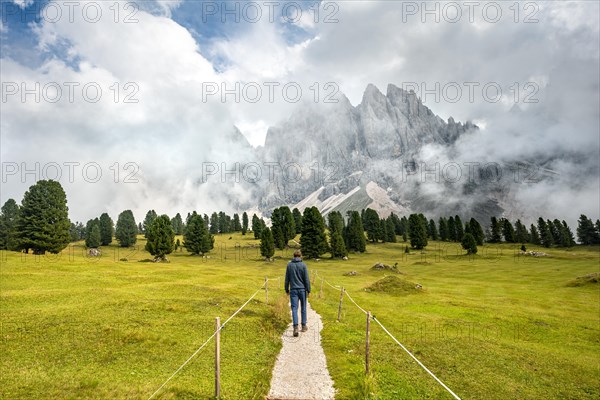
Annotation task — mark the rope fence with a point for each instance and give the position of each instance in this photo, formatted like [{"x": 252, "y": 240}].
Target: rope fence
[
  {"x": 372, "y": 317},
  {"x": 215, "y": 333}
]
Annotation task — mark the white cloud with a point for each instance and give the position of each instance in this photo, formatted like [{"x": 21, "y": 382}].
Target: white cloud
[
  {"x": 172, "y": 130},
  {"x": 23, "y": 3}
]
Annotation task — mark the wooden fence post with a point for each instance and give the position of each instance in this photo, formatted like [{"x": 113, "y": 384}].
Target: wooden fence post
[
  {"x": 340, "y": 306},
  {"x": 218, "y": 359},
  {"x": 267, "y": 289},
  {"x": 321, "y": 291},
  {"x": 367, "y": 345}
]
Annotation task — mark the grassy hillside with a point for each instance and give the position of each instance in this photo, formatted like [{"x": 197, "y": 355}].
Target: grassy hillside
[{"x": 492, "y": 326}]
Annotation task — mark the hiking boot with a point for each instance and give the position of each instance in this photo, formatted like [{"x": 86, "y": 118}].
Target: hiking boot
[
  {"x": 304, "y": 328},
  {"x": 295, "y": 330}
]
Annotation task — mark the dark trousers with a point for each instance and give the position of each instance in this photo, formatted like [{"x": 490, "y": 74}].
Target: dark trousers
[{"x": 298, "y": 296}]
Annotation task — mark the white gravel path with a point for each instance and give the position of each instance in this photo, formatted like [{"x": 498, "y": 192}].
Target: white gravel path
[{"x": 301, "y": 368}]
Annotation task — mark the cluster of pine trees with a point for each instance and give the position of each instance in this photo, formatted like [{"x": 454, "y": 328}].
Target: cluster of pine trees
[{"x": 41, "y": 224}]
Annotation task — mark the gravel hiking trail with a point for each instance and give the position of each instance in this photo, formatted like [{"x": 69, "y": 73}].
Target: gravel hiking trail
[{"x": 300, "y": 371}]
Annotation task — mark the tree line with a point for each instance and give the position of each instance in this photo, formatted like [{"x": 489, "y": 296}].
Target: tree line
[{"x": 40, "y": 223}]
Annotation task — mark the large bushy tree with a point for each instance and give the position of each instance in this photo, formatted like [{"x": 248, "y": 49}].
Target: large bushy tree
[
  {"x": 8, "y": 225},
  {"x": 417, "y": 231},
  {"x": 354, "y": 234},
  {"x": 545, "y": 234},
  {"x": 150, "y": 217},
  {"x": 586, "y": 231},
  {"x": 126, "y": 230},
  {"x": 495, "y": 231},
  {"x": 267, "y": 243},
  {"x": 477, "y": 231},
  {"x": 107, "y": 229},
  {"x": 161, "y": 238},
  {"x": 283, "y": 226},
  {"x": 297, "y": 220},
  {"x": 313, "y": 241},
  {"x": 177, "y": 224},
  {"x": 43, "y": 223},
  {"x": 372, "y": 225},
  {"x": 93, "y": 234},
  {"x": 469, "y": 244},
  {"x": 196, "y": 237}
]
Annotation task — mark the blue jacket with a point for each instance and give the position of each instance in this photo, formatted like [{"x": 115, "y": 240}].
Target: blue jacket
[{"x": 296, "y": 276}]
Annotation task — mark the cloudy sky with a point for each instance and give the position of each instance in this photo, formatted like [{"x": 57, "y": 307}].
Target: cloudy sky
[{"x": 123, "y": 100}]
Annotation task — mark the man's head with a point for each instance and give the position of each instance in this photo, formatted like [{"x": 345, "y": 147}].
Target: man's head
[{"x": 297, "y": 254}]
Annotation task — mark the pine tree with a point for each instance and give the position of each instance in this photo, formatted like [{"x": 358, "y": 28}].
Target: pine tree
[
  {"x": 267, "y": 244},
  {"x": 586, "y": 231},
  {"x": 126, "y": 231},
  {"x": 196, "y": 238},
  {"x": 77, "y": 231},
  {"x": 93, "y": 236},
  {"x": 433, "y": 233},
  {"x": 297, "y": 220},
  {"x": 567, "y": 234},
  {"x": 214, "y": 224},
  {"x": 495, "y": 231},
  {"x": 458, "y": 228},
  {"x": 337, "y": 245},
  {"x": 283, "y": 226},
  {"x": 224, "y": 223},
  {"x": 244, "y": 223},
  {"x": 313, "y": 241},
  {"x": 555, "y": 231},
  {"x": 140, "y": 228},
  {"x": 508, "y": 231},
  {"x": 8, "y": 225},
  {"x": 521, "y": 234},
  {"x": 534, "y": 236},
  {"x": 161, "y": 237},
  {"x": 148, "y": 220},
  {"x": 451, "y": 229},
  {"x": 354, "y": 233},
  {"x": 390, "y": 230},
  {"x": 106, "y": 229},
  {"x": 443, "y": 229},
  {"x": 335, "y": 222},
  {"x": 236, "y": 223},
  {"x": 469, "y": 244},
  {"x": 545, "y": 234},
  {"x": 256, "y": 226},
  {"x": 177, "y": 224},
  {"x": 43, "y": 222},
  {"x": 476, "y": 231},
  {"x": 417, "y": 232},
  {"x": 372, "y": 225}
]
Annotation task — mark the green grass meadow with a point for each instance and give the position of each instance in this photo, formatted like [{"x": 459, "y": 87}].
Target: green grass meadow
[{"x": 492, "y": 326}]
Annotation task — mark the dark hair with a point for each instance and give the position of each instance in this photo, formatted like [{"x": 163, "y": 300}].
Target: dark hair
[{"x": 298, "y": 254}]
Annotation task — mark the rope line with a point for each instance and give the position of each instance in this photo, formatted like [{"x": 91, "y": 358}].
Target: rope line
[
  {"x": 206, "y": 342},
  {"x": 416, "y": 359},
  {"x": 396, "y": 340},
  {"x": 352, "y": 300}
]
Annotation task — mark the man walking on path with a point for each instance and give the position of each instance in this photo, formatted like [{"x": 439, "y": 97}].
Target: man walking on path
[{"x": 297, "y": 286}]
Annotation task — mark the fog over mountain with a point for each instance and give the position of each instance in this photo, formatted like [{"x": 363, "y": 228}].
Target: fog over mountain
[{"x": 393, "y": 154}]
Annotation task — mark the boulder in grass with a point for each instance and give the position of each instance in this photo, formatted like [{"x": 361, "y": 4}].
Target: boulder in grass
[
  {"x": 384, "y": 267},
  {"x": 94, "y": 252},
  {"x": 351, "y": 273}
]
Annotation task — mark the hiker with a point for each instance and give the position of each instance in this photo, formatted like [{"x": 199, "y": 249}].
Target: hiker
[{"x": 297, "y": 286}]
